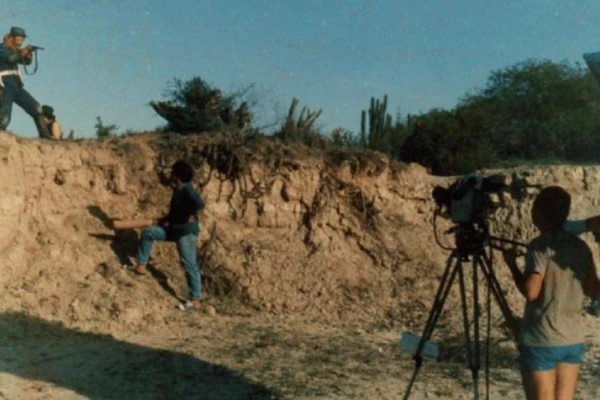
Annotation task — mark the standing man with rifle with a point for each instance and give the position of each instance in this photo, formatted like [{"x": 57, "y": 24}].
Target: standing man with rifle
[{"x": 11, "y": 83}]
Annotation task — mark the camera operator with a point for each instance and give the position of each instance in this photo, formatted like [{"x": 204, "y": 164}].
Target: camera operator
[
  {"x": 11, "y": 55},
  {"x": 559, "y": 272}
]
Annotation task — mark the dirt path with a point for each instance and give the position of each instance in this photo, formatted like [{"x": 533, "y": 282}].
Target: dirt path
[{"x": 196, "y": 356}]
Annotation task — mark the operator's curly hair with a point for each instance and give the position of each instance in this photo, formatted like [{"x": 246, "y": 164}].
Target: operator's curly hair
[{"x": 554, "y": 203}]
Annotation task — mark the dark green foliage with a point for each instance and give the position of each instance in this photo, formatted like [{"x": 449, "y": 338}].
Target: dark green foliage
[
  {"x": 529, "y": 111},
  {"x": 539, "y": 109},
  {"x": 447, "y": 142},
  {"x": 104, "y": 131},
  {"x": 194, "y": 106},
  {"x": 344, "y": 138}
]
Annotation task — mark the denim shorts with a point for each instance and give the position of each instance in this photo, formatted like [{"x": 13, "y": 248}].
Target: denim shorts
[{"x": 544, "y": 358}]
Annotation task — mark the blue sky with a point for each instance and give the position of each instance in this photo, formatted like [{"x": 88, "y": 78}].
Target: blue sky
[{"x": 110, "y": 58}]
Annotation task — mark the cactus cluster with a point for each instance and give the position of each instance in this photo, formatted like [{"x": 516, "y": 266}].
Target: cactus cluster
[
  {"x": 303, "y": 125},
  {"x": 380, "y": 126}
]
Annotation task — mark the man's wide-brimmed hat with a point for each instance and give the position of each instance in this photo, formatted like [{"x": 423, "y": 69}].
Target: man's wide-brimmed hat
[{"x": 16, "y": 31}]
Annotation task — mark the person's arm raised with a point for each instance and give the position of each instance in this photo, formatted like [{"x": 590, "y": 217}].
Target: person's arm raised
[
  {"x": 530, "y": 281},
  {"x": 592, "y": 223}
]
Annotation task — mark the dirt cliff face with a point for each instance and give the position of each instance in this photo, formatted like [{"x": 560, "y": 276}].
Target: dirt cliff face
[{"x": 324, "y": 235}]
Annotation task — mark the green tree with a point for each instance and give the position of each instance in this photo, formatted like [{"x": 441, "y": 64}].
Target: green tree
[
  {"x": 448, "y": 142},
  {"x": 344, "y": 138},
  {"x": 530, "y": 110},
  {"x": 195, "y": 106},
  {"x": 104, "y": 131},
  {"x": 538, "y": 109}
]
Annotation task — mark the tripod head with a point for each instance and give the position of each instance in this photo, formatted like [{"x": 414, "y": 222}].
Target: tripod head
[
  {"x": 467, "y": 203},
  {"x": 470, "y": 238}
]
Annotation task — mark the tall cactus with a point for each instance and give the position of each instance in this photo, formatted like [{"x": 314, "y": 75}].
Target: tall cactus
[
  {"x": 380, "y": 125},
  {"x": 364, "y": 140},
  {"x": 299, "y": 128}
]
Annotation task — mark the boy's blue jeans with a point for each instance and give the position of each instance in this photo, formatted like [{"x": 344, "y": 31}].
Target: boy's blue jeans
[{"x": 186, "y": 246}]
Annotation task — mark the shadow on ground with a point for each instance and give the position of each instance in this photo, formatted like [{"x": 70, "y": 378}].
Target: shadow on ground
[
  {"x": 124, "y": 244},
  {"x": 101, "y": 367},
  {"x": 499, "y": 361}
]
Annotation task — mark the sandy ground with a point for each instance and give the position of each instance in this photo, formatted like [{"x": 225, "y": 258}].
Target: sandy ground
[
  {"x": 314, "y": 264},
  {"x": 197, "y": 356}
]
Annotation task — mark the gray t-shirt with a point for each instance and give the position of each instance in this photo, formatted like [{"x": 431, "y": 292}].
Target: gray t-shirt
[{"x": 555, "y": 317}]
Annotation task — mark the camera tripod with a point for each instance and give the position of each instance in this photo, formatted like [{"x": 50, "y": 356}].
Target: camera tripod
[{"x": 471, "y": 246}]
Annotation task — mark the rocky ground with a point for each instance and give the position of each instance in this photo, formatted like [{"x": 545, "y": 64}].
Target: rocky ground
[{"x": 314, "y": 263}]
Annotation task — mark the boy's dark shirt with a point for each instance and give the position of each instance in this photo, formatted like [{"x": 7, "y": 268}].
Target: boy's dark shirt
[{"x": 185, "y": 202}]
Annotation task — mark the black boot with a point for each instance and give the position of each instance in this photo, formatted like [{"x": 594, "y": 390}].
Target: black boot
[{"x": 42, "y": 127}]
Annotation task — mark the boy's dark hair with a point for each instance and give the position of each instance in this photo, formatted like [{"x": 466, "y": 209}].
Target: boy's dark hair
[
  {"x": 554, "y": 203},
  {"x": 183, "y": 171}
]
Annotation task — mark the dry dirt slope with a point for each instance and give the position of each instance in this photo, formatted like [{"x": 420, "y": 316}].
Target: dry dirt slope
[
  {"x": 339, "y": 239},
  {"x": 283, "y": 231}
]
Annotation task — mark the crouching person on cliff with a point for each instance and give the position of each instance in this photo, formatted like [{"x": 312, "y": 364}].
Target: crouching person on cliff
[
  {"x": 559, "y": 272},
  {"x": 182, "y": 226}
]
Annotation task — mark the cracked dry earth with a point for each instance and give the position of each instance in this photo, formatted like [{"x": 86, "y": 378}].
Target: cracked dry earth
[{"x": 314, "y": 262}]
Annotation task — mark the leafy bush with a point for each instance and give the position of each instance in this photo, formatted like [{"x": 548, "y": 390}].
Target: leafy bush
[
  {"x": 344, "y": 138},
  {"x": 529, "y": 111},
  {"x": 195, "y": 106},
  {"x": 104, "y": 131}
]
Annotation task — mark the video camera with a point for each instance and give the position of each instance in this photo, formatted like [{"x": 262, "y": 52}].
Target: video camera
[{"x": 467, "y": 199}]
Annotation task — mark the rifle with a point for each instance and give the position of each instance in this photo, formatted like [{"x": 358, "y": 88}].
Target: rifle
[{"x": 34, "y": 50}]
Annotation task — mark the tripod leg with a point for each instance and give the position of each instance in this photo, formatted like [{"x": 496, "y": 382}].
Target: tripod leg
[
  {"x": 438, "y": 303},
  {"x": 441, "y": 295},
  {"x": 488, "y": 270},
  {"x": 475, "y": 363},
  {"x": 488, "y": 307},
  {"x": 463, "y": 302},
  {"x": 485, "y": 262},
  {"x": 468, "y": 342}
]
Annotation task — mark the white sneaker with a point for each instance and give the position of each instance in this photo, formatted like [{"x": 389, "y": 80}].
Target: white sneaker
[
  {"x": 185, "y": 305},
  {"x": 190, "y": 305}
]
